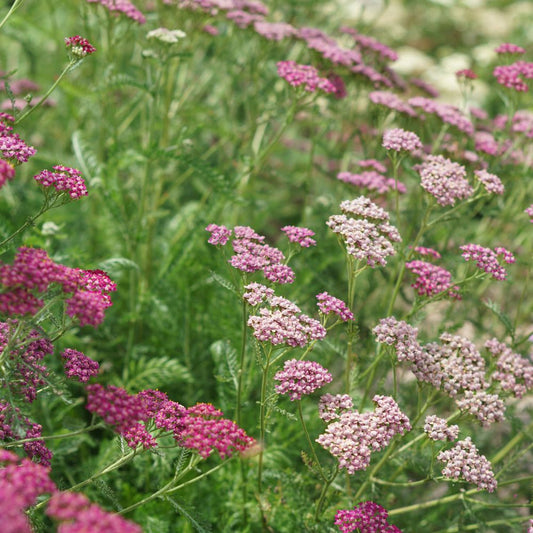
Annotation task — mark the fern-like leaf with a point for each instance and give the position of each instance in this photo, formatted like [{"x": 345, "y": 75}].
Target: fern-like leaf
[{"x": 153, "y": 372}]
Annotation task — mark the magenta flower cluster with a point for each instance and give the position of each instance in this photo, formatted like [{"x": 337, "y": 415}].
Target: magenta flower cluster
[
  {"x": 63, "y": 179},
  {"x": 369, "y": 236},
  {"x": 33, "y": 273},
  {"x": 78, "y": 365},
  {"x": 252, "y": 254},
  {"x": 201, "y": 428},
  {"x": 510, "y": 48},
  {"x": 122, "y": 6},
  {"x": 444, "y": 179},
  {"x": 437, "y": 428},
  {"x": 373, "y": 181},
  {"x": 329, "y": 304},
  {"x": 391, "y": 101},
  {"x": 398, "y": 140},
  {"x": 447, "y": 113},
  {"x": 12, "y": 147},
  {"x": 365, "y": 517},
  {"x": 512, "y": 76},
  {"x": 529, "y": 211},
  {"x": 301, "y": 377},
  {"x": 78, "y": 46},
  {"x": 305, "y": 76},
  {"x": 301, "y": 236},
  {"x": 353, "y": 436},
  {"x": 487, "y": 259},
  {"x": 463, "y": 461},
  {"x": 7, "y": 172},
  {"x": 431, "y": 279},
  {"x": 282, "y": 322}
]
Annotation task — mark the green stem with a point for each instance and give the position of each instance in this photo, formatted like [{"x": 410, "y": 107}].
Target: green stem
[
  {"x": 13, "y": 8},
  {"x": 262, "y": 421},
  {"x": 405, "y": 484},
  {"x": 322, "y": 498},
  {"x": 29, "y": 222},
  {"x": 53, "y": 437},
  {"x": 70, "y": 64},
  {"x": 317, "y": 462},
  {"x": 241, "y": 363},
  {"x": 473, "y": 527}
]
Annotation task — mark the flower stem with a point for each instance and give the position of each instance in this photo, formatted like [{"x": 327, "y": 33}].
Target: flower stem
[
  {"x": 304, "y": 426},
  {"x": 13, "y": 8}
]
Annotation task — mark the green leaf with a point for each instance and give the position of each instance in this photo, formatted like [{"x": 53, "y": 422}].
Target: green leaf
[
  {"x": 196, "y": 520},
  {"x": 154, "y": 372},
  {"x": 223, "y": 282},
  {"x": 504, "y": 319}
]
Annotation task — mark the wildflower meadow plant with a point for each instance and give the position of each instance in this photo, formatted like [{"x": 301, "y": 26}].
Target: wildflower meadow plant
[{"x": 263, "y": 271}]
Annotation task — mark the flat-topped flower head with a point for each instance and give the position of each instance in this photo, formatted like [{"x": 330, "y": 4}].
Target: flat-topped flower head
[
  {"x": 510, "y": 48},
  {"x": 365, "y": 208},
  {"x": 366, "y": 517},
  {"x": 63, "y": 179},
  {"x": 512, "y": 76},
  {"x": 78, "y": 365},
  {"x": 166, "y": 36},
  {"x": 373, "y": 181},
  {"x": 219, "y": 234},
  {"x": 301, "y": 377},
  {"x": 14, "y": 149},
  {"x": 466, "y": 74},
  {"x": 463, "y": 461},
  {"x": 392, "y": 101},
  {"x": 437, "y": 428},
  {"x": 424, "y": 250},
  {"x": 398, "y": 139},
  {"x": 7, "y": 172},
  {"x": 124, "y": 7},
  {"x": 331, "y": 406},
  {"x": 529, "y": 211},
  {"x": 329, "y": 304},
  {"x": 304, "y": 75},
  {"x": 491, "y": 182},
  {"x": 488, "y": 260},
  {"x": 444, "y": 179},
  {"x": 431, "y": 279},
  {"x": 274, "y": 31},
  {"x": 301, "y": 236},
  {"x": 79, "y": 47}
]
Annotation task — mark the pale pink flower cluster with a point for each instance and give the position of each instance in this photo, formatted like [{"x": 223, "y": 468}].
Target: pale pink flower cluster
[
  {"x": 304, "y": 75},
  {"x": 378, "y": 166},
  {"x": 368, "y": 237},
  {"x": 487, "y": 408},
  {"x": 353, "y": 436},
  {"x": 444, "y": 179},
  {"x": 63, "y": 179},
  {"x": 275, "y": 31},
  {"x": 487, "y": 259},
  {"x": 251, "y": 254},
  {"x": 513, "y": 372},
  {"x": 282, "y": 322},
  {"x": 424, "y": 250},
  {"x": 257, "y": 293},
  {"x": 329, "y": 304},
  {"x": 437, "y": 428},
  {"x": 402, "y": 336},
  {"x": 122, "y": 6},
  {"x": 463, "y": 461},
  {"x": 373, "y": 181},
  {"x": 365, "y": 517},
  {"x": 425, "y": 87},
  {"x": 431, "y": 279},
  {"x": 301, "y": 377},
  {"x": 491, "y": 182},
  {"x": 331, "y": 406},
  {"x": 301, "y": 236},
  {"x": 449, "y": 114},
  {"x": 485, "y": 142},
  {"x": 398, "y": 139},
  {"x": 391, "y": 101}
]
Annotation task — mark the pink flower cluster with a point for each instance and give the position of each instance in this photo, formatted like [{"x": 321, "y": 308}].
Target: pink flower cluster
[
  {"x": 301, "y": 236},
  {"x": 21, "y": 482},
  {"x": 391, "y": 101},
  {"x": 372, "y": 180},
  {"x": 464, "y": 461},
  {"x": 398, "y": 139},
  {"x": 12, "y": 147},
  {"x": 368, "y": 237},
  {"x": 431, "y": 279},
  {"x": 365, "y": 517},
  {"x": 491, "y": 182},
  {"x": 449, "y": 114},
  {"x": 529, "y": 211},
  {"x": 513, "y": 372},
  {"x": 122, "y": 6},
  {"x": 76, "y": 513},
  {"x": 353, "y": 436},
  {"x": 455, "y": 366},
  {"x": 437, "y": 428},
  {"x": 329, "y": 304},
  {"x": 510, "y": 48},
  {"x": 78, "y": 365},
  {"x": 7, "y": 172},
  {"x": 33, "y": 273},
  {"x": 79, "y": 47},
  {"x": 251, "y": 254},
  {"x": 512, "y": 76},
  {"x": 331, "y": 406},
  {"x": 200, "y": 428},
  {"x": 424, "y": 250},
  {"x": 282, "y": 322},
  {"x": 304, "y": 75},
  {"x": 444, "y": 179},
  {"x": 63, "y": 179},
  {"x": 301, "y": 377},
  {"x": 487, "y": 259},
  {"x": 274, "y": 31}
]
